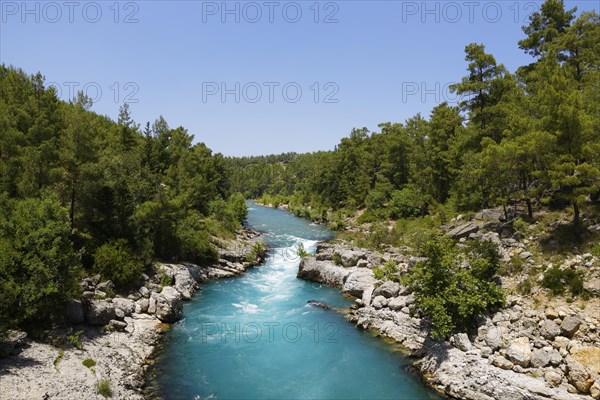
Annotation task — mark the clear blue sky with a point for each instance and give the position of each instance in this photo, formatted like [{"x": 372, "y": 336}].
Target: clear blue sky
[{"x": 174, "y": 57}]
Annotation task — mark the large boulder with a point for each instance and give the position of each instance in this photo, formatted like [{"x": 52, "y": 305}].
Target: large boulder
[
  {"x": 169, "y": 305},
  {"x": 367, "y": 296},
  {"x": 592, "y": 285},
  {"x": 502, "y": 362},
  {"x": 350, "y": 257},
  {"x": 74, "y": 312},
  {"x": 144, "y": 292},
  {"x": 322, "y": 272},
  {"x": 492, "y": 237},
  {"x": 554, "y": 356},
  {"x": 143, "y": 304},
  {"x": 553, "y": 378},
  {"x": 10, "y": 341},
  {"x": 358, "y": 281},
  {"x": 397, "y": 303},
  {"x": 151, "y": 304},
  {"x": 588, "y": 357},
  {"x": 493, "y": 337},
  {"x": 578, "y": 375},
  {"x": 461, "y": 341},
  {"x": 489, "y": 214},
  {"x": 379, "y": 302},
  {"x": 570, "y": 325},
  {"x": 519, "y": 351},
  {"x": 99, "y": 312},
  {"x": 549, "y": 329},
  {"x": 115, "y": 325},
  {"x": 463, "y": 231},
  {"x": 105, "y": 286},
  {"x": 387, "y": 289},
  {"x": 540, "y": 358},
  {"x": 185, "y": 282},
  {"x": 124, "y": 307}
]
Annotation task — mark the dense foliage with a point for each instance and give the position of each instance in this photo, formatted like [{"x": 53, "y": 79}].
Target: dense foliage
[
  {"x": 531, "y": 136},
  {"x": 80, "y": 193},
  {"x": 454, "y": 288},
  {"x": 38, "y": 264}
]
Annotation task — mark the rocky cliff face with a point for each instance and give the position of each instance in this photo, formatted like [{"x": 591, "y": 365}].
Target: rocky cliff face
[{"x": 524, "y": 351}]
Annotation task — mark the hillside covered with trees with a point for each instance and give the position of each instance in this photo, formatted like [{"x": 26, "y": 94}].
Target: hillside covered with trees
[
  {"x": 530, "y": 136},
  {"x": 82, "y": 194}
]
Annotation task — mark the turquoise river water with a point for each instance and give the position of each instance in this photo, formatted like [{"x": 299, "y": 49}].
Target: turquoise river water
[{"x": 255, "y": 336}]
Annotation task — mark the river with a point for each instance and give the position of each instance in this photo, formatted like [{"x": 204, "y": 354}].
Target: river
[{"x": 255, "y": 336}]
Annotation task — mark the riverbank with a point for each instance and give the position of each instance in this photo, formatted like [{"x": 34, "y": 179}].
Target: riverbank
[
  {"x": 109, "y": 344},
  {"x": 531, "y": 349}
]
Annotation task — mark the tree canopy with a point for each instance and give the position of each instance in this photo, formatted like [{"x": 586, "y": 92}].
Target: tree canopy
[{"x": 81, "y": 193}]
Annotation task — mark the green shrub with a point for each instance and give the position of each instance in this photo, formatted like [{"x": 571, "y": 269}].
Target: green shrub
[
  {"x": 387, "y": 272},
  {"x": 414, "y": 232},
  {"x": 379, "y": 235},
  {"x": 257, "y": 252},
  {"x": 557, "y": 280},
  {"x": 521, "y": 227},
  {"x": 408, "y": 203},
  {"x": 484, "y": 259},
  {"x": 337, "y": 258},
  {"x": 301, "y": 251},
  {"x": 89, "y": 363},
  {"x": 115, "y": 261},
  {"x": 75, "y": 340},
  {"x": 449, "y": 293},
  {"x": 375, "y": 199},
  {"x": 236, "y": 203},
  {"x": 336, "y": 221},
  {"x": 514, "y": 266},
  {"x": 59, "y": 357},
  {"x": 165, "y": 280},
  {"x": 369, "y": 216},
  {"x": 442, "y": 213},
  {"x": 104, "y": 388},
  {"x": 596, "y": 250}
]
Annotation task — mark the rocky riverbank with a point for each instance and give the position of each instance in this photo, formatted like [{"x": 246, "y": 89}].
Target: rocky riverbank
[
  {"x": 109, "y": 339},
  {"x": 528, "y": 350}
]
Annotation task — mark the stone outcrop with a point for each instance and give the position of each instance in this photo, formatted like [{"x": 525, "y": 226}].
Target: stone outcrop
[
  {"x": 350, "y": 258},
  {"x": 463, "y": 231},
  {"x": 99, "y": 312},
  {"x": 123, "y": 307},
  {"x": 168, "y": 304},
  {"x": 322, "y": 272},
  {"x": 569, "y": 326},
  {"x": 387, "y": 289},
  {"x": 519, "y": 351},
  {"x": 579, "y": 376},
  {"x": 549, "y": 329},
  {"x": 358, "y": 281}
]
